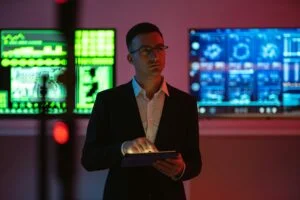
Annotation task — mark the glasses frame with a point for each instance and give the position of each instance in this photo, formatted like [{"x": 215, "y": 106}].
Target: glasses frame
[{"x": 150, "y": 49}]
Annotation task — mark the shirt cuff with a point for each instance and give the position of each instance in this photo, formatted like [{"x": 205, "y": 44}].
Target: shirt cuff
[{"x": 122, "y": 148}]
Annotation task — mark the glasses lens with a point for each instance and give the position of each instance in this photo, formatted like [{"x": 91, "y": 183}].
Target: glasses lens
[{"x": 144, "y": 50}]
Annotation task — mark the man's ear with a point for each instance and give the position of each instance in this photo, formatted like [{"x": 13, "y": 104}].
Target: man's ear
[{"x": 129, "y": 58}]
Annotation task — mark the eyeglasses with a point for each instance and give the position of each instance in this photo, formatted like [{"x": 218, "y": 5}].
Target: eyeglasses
[{"x": 147, "y": 50}]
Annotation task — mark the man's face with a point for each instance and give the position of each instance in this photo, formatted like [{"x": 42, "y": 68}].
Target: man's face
[{"x": 148, "y": 55}]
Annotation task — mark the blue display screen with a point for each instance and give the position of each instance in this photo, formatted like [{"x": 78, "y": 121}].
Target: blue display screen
[{"x": 245, "y": 70}]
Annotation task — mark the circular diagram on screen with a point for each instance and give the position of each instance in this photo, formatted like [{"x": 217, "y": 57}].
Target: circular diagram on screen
[
  {"x": 212, "y": 51},
  {"x": 269, "y": 51},
  {"x": 241, "y": 51}
]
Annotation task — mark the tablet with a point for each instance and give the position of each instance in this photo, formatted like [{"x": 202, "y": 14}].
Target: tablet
[{"x": 146, "y": 159}]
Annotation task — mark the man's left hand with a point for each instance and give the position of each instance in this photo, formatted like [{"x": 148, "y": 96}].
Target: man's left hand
[{"x": 172, "y": 167}]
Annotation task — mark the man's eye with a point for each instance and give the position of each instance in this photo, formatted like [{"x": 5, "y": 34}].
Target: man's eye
[{"x": 147, "y": 50}]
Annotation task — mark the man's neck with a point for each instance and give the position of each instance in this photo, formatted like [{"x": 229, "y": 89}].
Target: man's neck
[{"x": 150, "y": 85}]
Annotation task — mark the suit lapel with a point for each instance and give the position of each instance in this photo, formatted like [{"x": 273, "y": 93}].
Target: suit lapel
[
  {"x": 166, "y": 115},
  {"x": 133, "y": 111}
]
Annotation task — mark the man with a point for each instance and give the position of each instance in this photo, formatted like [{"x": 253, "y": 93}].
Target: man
[{"x": 146, "y": 114}]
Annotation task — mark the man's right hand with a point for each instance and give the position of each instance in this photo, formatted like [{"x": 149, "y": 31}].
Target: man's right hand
[{"x": 139, "y": 145}]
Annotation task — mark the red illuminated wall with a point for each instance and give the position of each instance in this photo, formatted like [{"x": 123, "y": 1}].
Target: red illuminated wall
[{"x": 243, "y": 159}]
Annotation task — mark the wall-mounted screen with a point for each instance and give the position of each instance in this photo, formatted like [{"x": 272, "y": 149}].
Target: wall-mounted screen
[
  {"x": 28, "y": 55},
  {"x": 95, "y": 66},
  {"x": 245, "y": 71}
]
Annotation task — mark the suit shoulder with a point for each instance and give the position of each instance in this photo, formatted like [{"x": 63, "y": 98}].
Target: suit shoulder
[
  {"x": 180, "y": 93},
  {"x": 115, "y": 92}
]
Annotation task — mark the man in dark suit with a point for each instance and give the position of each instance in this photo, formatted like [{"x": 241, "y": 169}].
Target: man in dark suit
[{"x": 146, "y": 114}]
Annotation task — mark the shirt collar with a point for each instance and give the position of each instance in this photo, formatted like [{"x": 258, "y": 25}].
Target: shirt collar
[{"x": 138, "y": 89}]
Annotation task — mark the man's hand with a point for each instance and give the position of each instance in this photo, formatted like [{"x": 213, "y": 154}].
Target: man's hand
[
  {"x": 172, "y": 167},
  {"x": 139, "y": 145}
]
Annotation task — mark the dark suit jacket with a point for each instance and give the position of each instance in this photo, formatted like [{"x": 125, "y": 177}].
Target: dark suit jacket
[{"x": 115, "y": 118}]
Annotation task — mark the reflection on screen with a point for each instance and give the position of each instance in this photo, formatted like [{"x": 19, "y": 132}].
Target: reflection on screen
[{"x": 245, "y": 70}]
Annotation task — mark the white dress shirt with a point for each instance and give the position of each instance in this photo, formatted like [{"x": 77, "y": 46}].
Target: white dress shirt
[{"x": 150, "y": 109}]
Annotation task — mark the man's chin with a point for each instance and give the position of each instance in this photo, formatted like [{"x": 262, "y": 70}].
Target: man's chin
[
  {"x": 156, "y": 70},
  {"x": 156, "y": 67}
]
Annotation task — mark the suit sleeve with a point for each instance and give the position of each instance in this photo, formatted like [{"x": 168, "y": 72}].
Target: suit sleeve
[
  {"x": 191, "y": 153},
  {"x": 100, "y": 151}
]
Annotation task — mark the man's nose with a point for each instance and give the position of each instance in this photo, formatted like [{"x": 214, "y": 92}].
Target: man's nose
[{"x": 153, "y": 54}]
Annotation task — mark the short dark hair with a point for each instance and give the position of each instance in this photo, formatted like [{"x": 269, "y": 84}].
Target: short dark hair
[{"x": 141, "y": 28}]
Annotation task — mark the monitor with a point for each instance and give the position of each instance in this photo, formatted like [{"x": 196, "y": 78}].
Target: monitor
[
  {"x": 95, "y": 66},
  {"x": 29, "y": 54},
  {"x": 248, "y": 71}
]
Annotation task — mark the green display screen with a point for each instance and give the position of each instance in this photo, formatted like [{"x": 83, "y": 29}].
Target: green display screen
[
  {"x": 28, "y": 55},
  {"x": 94, "y": 59}
]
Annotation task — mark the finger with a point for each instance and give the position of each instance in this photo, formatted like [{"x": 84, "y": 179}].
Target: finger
[
  {"x": 164, "y": 166},
  {"x": 139, "y": 144},
  {"x": 146, "y": 145},
  {"x": 132, "y": 149},
  {"x": 176, "y": 161},
  {"x": 171, "y": 160},
  {"x": 151, "y": 147},
  {"x": 139, "y": 147},
  {"x": 164, "y": 169},
  {"x": 160, "y": 168},
  {"x": 172, "y": 168}
]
